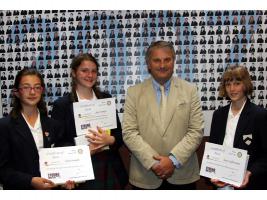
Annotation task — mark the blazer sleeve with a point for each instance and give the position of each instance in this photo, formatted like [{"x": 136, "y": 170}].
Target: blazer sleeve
[
  {"x": 10, "y": 177},
  {"x": 117, "y": 132},
  {"x": 259, "y": 164},
  {"x": 131, "y": 135},
  {"x": 212, "y": 137},
  {"x": 59, "y": 113}
]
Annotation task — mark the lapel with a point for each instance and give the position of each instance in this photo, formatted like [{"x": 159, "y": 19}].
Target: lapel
[
  {"x": 242, "y": 122},
  {"x": 47, "y": 137},
  {"x": 222, "y": 123},
  {"x": 173, "y": 101},
  {"x": 152, "y": 103},
  {"x": 22, "y": 128}
]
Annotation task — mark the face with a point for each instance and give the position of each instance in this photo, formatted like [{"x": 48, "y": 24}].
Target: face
[
  {"x": 235, "y": 90},
  {"x": 161, "y": 64},
  {"x": 30, "y": 90},
  {"x": 86, "y": 74}
]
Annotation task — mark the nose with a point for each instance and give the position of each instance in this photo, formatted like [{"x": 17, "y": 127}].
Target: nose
[
  {"x": 32, "y": 90},
  {"x": 232, "y": 87}
]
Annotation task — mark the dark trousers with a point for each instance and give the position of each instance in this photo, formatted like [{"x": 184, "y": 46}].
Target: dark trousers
[{"x": 165, "y": 185}]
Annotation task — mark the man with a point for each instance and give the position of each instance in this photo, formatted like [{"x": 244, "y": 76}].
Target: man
[{"x": 163, "y": 135}]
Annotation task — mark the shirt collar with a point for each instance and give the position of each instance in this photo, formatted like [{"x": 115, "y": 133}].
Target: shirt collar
[
  {"x": 239, "y": 113},
  {"x": 156, "y": 85}
]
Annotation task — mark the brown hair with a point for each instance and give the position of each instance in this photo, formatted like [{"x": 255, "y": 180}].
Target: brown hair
[
  {"x": 75, "y": 63},
  {"x": 238, "y": 73},
  {"x": 16, "y": 101}
]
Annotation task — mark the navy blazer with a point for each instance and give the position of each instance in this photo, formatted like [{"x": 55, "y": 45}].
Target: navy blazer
[
  {"x": 250, "y": 135},
  {"x": 19, "y": 158},
  {"x": 63, "y": 112},
  {"x": 108, "y": 167}
]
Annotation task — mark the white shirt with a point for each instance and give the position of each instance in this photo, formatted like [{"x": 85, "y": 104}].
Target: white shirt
[
  {"x": 80, "y": 100},
  {"x": 231, "y": 127},
  {"x": 36, "y": 131}
]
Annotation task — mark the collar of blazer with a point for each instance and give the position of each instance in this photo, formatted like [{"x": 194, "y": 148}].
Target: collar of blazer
[
  {"x": 243, "y": 122},
  {"x": 22, "y": 128}
]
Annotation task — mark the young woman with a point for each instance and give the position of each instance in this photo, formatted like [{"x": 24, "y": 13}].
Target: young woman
[
  {"x": 242, "y": 124},
  {"x": 26, "y": 130},
  {"x": 108, "y": 167}
]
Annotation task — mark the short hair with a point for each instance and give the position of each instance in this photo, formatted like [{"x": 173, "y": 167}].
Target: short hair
[
  {"x": 238, "y": 73},
  {"x": 159, "y": 45}
]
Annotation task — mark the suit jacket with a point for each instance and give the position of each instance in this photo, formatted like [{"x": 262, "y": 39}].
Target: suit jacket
[
  {"x": 145, "y": 136},
  {"x": 250, "y": 135},
  {"x": 19, "y": 158}
]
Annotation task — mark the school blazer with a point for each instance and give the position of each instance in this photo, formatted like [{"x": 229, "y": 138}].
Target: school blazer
[
  {"x": 145, "y": 136},
  {"x": 63, "y": 112},
  {"x": 250, "y": 135},
  {"x": 19, "y": 158}
]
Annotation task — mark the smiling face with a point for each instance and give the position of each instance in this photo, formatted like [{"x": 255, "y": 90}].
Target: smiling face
[
  {"x": 235, "y": 90},
  {"x": 86, "y": 74},
  {"x": 161, "y": 64},
  {"x": 29, "y": 91}
]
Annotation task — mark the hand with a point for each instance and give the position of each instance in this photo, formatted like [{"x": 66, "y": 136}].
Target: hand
[
  {"x": 164, "y": 168},
  {"x": 245, "y": 180},
  {"x": 100, "y": 138},
  {"x": 42, "y": 183},
  {"x": 69, "y": 185},
  {"x": 218, "y": 183},
  {"x": 93, "y": 148}
]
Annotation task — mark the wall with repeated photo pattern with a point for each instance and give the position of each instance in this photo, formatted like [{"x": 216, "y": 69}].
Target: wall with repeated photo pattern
[{"x": 206, "y": 42}]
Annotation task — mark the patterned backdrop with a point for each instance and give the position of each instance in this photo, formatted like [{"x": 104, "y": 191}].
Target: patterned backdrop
[{"x": 206, "y": 42}]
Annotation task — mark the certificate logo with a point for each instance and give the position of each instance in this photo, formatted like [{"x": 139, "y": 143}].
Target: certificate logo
[
  {"x": 80, "y": 151},
  {"x": 239, "y": 154},
  {"x": 85, "y": 126}
]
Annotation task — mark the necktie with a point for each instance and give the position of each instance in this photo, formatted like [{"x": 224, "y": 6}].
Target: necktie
[{"x": 163, "y": 104}]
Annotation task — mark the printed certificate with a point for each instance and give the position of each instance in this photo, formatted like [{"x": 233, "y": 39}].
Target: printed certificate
[
  {"x": 90, "y": 114},
  {"x": 223, "y": 163},
  {"x": 66, "y": 163}
]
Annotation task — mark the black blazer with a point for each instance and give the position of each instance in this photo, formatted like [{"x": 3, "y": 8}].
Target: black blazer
[
  {"x": 19, "y": 158},
  {"x": 252, "y": 123},
  {"x": 63, "y": 112},
  {"x": 108, "y": 167}
]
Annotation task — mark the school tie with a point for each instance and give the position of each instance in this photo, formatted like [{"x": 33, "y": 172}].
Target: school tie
[{"x": 163, "y": 104}]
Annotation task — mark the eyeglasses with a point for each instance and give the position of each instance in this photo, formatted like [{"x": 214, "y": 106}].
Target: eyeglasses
[{"x": 28, "y": 89}]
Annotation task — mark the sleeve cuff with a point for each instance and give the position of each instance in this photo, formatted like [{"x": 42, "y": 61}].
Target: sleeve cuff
[{"x": 175, "y": 162}]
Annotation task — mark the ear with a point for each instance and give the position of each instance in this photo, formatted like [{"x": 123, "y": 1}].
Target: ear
[
  {"x": 16, "y": 93},
  {"x": 73, "y": 73}
]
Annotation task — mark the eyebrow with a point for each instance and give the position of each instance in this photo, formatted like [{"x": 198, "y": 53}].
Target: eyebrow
[{"x": 28, "y": 84}]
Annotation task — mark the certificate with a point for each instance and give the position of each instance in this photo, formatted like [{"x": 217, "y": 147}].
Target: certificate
[
  {"x": 66, "y": 163},
  {"x": 224, "y": 163},
  {"x": 90, "y": 114}
]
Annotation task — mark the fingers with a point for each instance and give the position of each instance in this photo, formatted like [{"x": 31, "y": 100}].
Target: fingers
[
  {"x": 48, "y": 184},
  {"x": 69, "y": 185}
]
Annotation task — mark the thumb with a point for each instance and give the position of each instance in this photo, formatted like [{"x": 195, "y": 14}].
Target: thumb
[
  {"x": 157, "y": 157},
  {"x": 48, "y": 181}
]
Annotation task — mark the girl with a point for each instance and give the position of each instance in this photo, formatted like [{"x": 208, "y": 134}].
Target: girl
[
  {"x": 26, "y": 130},
  {"x": 108, "y": 167},
  {"x": 241, "y": 124}
]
